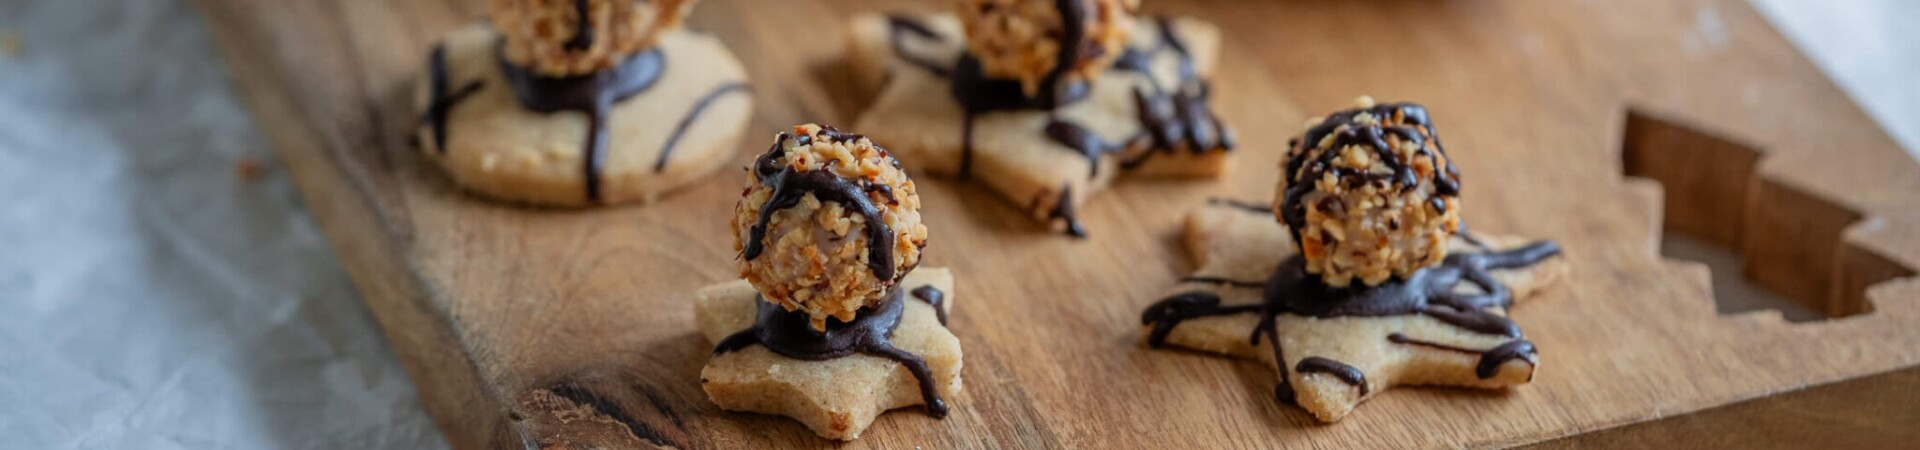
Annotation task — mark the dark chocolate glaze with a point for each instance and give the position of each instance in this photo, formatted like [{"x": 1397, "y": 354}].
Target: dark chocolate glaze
[
  {"x": 901, "y": 26},
  {"x": 699, "y": 106},
  {"x": 1063, "y": 211},
  {"x": 1226, "y": 281},
  {"x": 789, "y": 186},
  {"x": 1348, "y": 374},
  {"x": 582, "y": 27},
  {"x": 1181, "y": 116},
  {"x": 1084, "y": 141},
  {"x": 1430, "y": 292},
  {"x": 1490, "y": 360},
  {"x": 1293, "y": 290},
  {"x": 1165, "y": 314},
  {"x": 440, "y": 100},
  {"x": 592, "y": 94},
  {"x": 791, "y": 334},
  {"x": 1419, "y": 127},
  {"x": 934, "y": 297},
  {"x": 1241, "y": 205}
]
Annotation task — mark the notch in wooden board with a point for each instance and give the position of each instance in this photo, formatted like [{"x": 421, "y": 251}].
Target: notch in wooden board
[{"x": 1790, "y": 246}]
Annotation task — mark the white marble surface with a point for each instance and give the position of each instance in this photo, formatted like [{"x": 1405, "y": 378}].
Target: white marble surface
[{"x": 153, "y": 299}]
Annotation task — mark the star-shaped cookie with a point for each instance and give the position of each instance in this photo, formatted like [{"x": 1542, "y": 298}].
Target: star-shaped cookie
[
  {"x": 1330, "y": 364},
  {"x": 836, "y": 398},
  {"x": 1148, "y": 115}
]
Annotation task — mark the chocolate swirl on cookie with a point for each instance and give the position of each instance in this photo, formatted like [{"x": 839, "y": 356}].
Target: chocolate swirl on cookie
[
  {"x": 1172, "y": 114},
  {"x": 790, "y": 334},
  {"x": 592, "y": 94},
  {"x": 1430, "y": 292},
  {"x": 440, "y": 100}
]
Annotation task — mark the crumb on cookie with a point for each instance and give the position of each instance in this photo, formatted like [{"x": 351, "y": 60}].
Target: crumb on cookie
[
  {"x": 545, "y": 35},
  {"x": 815, "y": 253},
  {"x": 1021, "y": 39},
  {"x": 1369, "y": 194}
]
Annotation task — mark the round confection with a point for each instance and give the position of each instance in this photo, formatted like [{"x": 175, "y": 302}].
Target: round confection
[
  {"x": 828, "y": 223},
  {"x": 1369, "y": 194},
  {"x": 1024, "y": 39},
  {"x": 558, "y": 38}
]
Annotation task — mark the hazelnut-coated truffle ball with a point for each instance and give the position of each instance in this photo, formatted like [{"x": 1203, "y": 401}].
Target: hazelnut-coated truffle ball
[
  {"x": 558, "y": 38},
  {"x": 1027, "y": 40},
  {"x": 828, "y": 223},
  {"x": 1369, "y": 194}
]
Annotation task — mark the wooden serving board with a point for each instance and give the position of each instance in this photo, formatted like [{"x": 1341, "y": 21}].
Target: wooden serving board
[{"x": 573, "y": 328}]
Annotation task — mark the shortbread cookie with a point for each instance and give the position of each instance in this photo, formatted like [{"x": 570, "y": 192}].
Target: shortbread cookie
[
  {"x": 1334, "y": 355},
  {"x": 1148, "y": 114},
  {"x": 665, "y": 116},
  {"x": 836, "y": 398},
  {"x": 828, "y": 223}
]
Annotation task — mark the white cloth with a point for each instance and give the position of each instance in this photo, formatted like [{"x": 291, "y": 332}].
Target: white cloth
[{"x": 149, "y": 297}]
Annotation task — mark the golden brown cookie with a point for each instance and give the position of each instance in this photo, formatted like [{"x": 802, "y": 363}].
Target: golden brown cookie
[
  {"x": 1148, "y": 114},
  {"x": 661, "y": 118},
  {"x": 1331, "y": 359},
  {"x": 836, "y": 398}
]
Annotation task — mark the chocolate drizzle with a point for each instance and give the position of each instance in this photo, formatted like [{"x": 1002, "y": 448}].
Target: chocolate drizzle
[
  {"x": 440, "y": 101},
  {"x": 1429, "y": 292},
  {"x": 1226, "y": 281},
  {"x": 699, "y": 106},
  {"x": 592, "y": 94},
  {"x": 1084, "y": 141},
  {"x": 934, "y": 297},
  {"x": 1063, "y": 211},
  {"x": 1345, "y": 373},
  {"x": 790, "y": 185},
  {"x": 583, "y": 27},
  {"x": 1179, "y": 117},
  {"x": 1490, "y": 359},
  {"x": 898, "y": 27},
  {"x": 791, "y": 334},
  {"x": 1241, "y": 205},
  {"x": 1300, "y": 171}
]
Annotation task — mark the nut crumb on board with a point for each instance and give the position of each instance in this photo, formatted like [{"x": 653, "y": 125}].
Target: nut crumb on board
[
  {"x": 10, "y": 45},
  {"x": 249, "y": 169}
]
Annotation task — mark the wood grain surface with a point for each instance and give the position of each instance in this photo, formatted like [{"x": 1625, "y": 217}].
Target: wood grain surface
[{"x": 573, "y": 328}]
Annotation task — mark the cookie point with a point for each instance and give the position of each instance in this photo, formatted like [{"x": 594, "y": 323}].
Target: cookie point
[
  {"x": 828, "y": 223},
  {"x": 1022, "y": 39},
  {"x": 558, "y": 38},
  {"x": 1369, "y": 194}
]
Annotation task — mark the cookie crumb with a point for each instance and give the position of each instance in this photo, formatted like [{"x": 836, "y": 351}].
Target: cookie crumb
[
  {"x": 10, "y": 44},
  {"x": 249, "y": 169}
]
